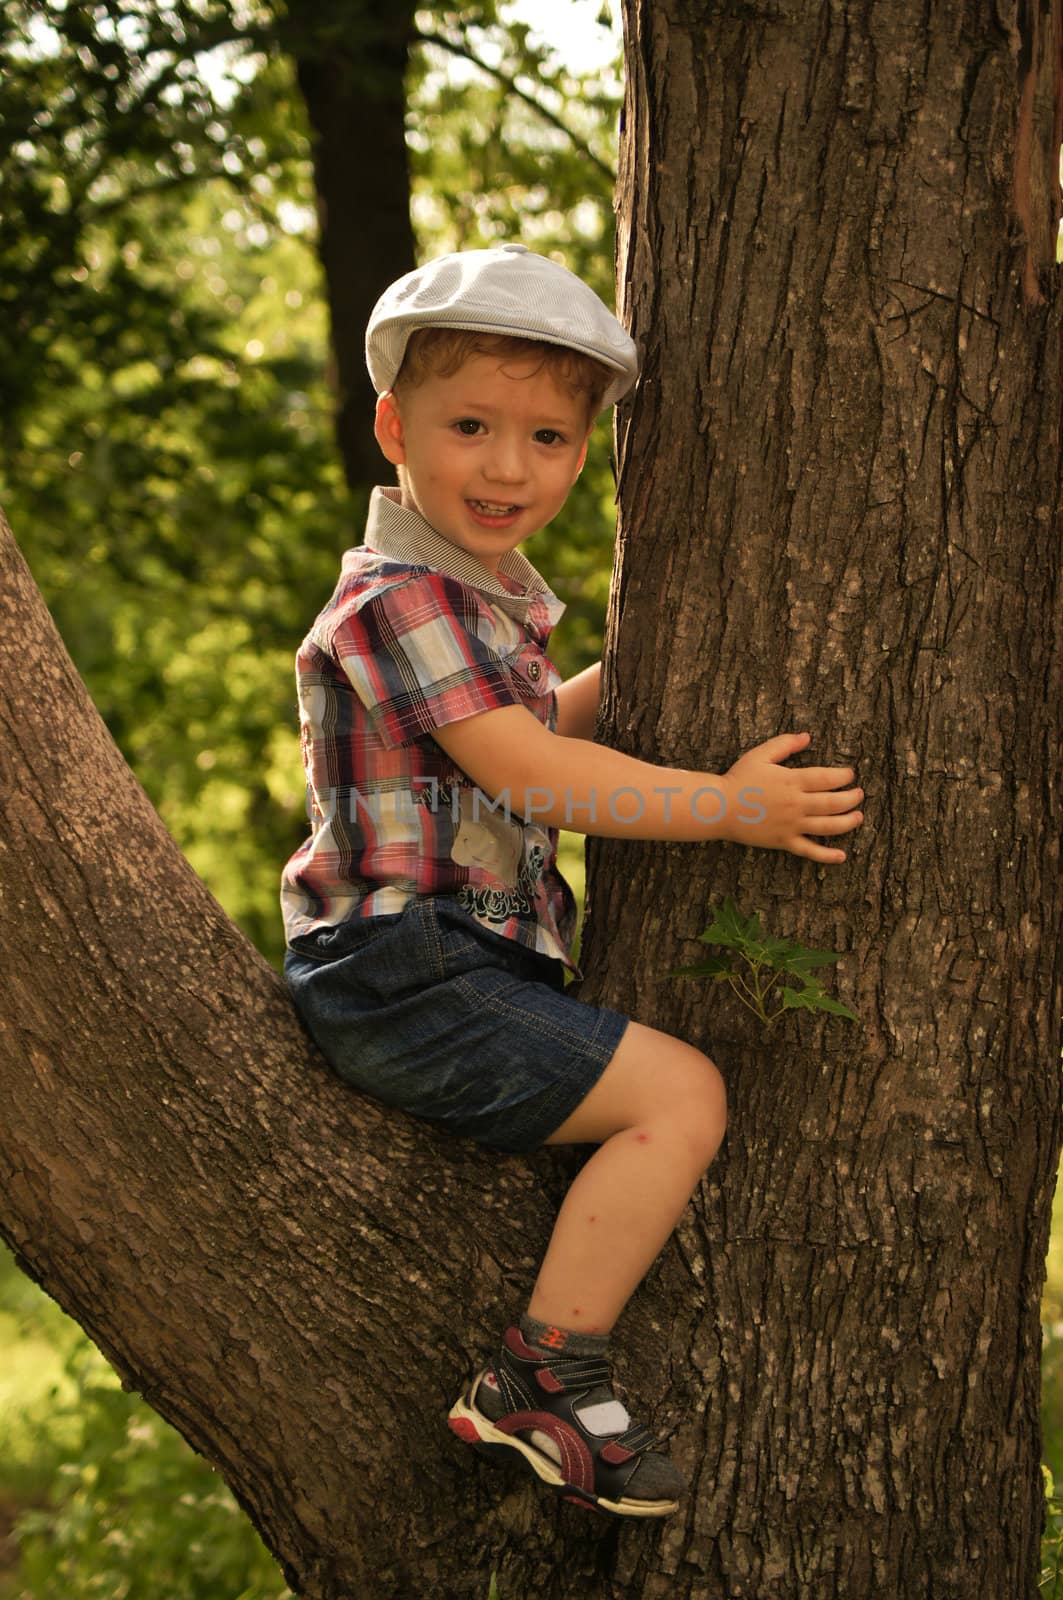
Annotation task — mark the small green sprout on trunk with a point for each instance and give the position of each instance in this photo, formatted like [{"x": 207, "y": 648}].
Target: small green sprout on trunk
[{"x": 755, "y": 962}]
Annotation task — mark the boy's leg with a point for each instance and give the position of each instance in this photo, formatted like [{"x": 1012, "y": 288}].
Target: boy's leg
[{"x": 658, "y": 1113}]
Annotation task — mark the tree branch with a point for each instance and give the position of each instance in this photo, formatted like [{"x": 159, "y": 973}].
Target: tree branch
[{"x": 509, "y": 83}]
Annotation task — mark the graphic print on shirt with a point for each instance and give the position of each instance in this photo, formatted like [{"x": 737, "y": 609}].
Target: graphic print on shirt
[
  {"x": 489, "y": 840},
  {"x": 498, "y": 905}
]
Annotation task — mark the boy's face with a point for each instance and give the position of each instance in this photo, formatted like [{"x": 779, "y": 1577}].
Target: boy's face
[{"x": 489, "y": 453}]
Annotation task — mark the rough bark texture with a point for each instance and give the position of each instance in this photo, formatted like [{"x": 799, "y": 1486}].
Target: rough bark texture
[
  {"x": 351, "y": 58},
  {"x": 840, "y": 510}
]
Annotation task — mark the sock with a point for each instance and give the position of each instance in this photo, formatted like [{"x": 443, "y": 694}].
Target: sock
[{"x": 562, "y": 1341}]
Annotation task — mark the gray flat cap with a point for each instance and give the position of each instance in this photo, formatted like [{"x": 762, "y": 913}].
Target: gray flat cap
[{"x": 510, "y": 290}]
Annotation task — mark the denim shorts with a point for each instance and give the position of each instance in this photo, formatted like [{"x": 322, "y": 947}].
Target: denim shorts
[{"x": 431, "y": 1012}]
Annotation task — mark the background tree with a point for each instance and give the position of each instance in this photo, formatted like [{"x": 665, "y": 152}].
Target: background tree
[
  {"x": 351, "y": 60},
  {"x": 840, "y": 510}
]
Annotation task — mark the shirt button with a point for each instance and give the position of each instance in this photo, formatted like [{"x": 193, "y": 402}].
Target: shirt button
[{"x": 535, "y": 671}]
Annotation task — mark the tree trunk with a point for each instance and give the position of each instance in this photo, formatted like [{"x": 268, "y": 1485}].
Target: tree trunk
[
  {"x": 840, "y": 510},
  {"x": 351, "y": 60}
]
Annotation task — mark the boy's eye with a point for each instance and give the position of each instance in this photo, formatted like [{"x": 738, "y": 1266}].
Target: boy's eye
[
  {"x": 468, "y": 426},
  {"x": 549, "y": 436}
]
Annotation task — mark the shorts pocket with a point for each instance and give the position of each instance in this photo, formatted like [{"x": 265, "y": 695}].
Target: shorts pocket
[{"x": 345, "y": 940}]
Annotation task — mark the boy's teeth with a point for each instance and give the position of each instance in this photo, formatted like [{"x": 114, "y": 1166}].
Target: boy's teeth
[{"x": 490, "y": 506}]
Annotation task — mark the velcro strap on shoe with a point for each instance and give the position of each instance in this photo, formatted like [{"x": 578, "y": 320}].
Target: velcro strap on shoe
[
  {"x": 634, "y": 1441},
  {"x": 564, "y": 1377}
]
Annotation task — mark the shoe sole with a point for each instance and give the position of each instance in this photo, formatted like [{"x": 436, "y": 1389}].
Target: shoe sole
[{"x": 473, "y": 1428}]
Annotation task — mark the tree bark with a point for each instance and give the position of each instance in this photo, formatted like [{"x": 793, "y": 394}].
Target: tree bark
[
  {"x": 351, "y": 59},
  {"x": 840, "y": 510}
]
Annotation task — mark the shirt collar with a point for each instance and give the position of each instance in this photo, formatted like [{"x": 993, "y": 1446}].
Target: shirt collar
[{"x": 396, "y": 531}]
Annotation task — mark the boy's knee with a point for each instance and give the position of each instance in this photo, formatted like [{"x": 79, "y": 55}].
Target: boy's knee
[{"x": 704, "y": 1113}]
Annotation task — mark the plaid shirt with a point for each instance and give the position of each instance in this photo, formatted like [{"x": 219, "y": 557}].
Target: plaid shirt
[{"x": 418, "y": 634}]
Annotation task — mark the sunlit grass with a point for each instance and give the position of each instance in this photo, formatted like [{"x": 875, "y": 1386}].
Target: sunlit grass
[{"x": 36, "y": 1338}]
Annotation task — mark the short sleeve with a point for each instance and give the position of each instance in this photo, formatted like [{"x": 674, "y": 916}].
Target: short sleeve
[{"x": 417, "y": 657}]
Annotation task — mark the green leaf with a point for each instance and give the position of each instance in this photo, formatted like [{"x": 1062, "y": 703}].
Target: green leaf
[
  {"x": 836, "y": 1008},
  {"x": 774, "y": 952},
  {"x": 798, "y": 959},
  {"x": 760, "y": 951},
  {"x": 731, "y": 929},
  {"x": 799, "y": 999},
  {"x": 714, "y": 967},
  {"x": 813, "y": 999}
]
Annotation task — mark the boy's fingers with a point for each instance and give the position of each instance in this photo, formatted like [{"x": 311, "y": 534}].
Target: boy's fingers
[
  {"x": 825, "y": 777},
  {"x": 818, "y": 852},
  {"x": 829, "y": 825},
  {"x": 783, "y": 745},
  {"x": 843, "y": 800}
]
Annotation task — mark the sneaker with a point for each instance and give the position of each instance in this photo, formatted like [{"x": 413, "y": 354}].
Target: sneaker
[{"x": 560, "y": 1416}]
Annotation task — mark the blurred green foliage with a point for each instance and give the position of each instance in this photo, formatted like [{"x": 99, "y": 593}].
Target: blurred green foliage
[
  {"x": 168, "y": 462},
  {"x": 110, "y": 1502}
]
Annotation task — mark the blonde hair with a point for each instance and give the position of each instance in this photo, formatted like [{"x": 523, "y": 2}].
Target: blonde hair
[{"x": 440, "y": 352}]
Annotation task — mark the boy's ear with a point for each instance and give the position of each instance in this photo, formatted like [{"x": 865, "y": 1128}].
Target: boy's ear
[
  {"x": 388, "y": 429},
  {"x": 582, "y": 455}
]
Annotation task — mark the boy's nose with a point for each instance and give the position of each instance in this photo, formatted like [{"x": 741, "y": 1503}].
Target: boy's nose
[{"x": 507, "y": 462}]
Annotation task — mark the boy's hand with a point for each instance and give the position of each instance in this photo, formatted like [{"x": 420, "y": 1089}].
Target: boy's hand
[{"x": 779, "y": 806}]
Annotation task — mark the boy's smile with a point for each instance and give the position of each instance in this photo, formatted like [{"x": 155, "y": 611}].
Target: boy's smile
[{"x": 488, "y": 454}]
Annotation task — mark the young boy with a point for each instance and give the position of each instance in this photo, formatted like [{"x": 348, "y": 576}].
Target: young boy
[{"x": 428, "y": 926}]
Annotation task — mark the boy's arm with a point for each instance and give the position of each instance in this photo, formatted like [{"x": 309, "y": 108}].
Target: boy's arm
[
  {"x": 577, "y": 704},
  {"x": 588, "y": 788}
]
